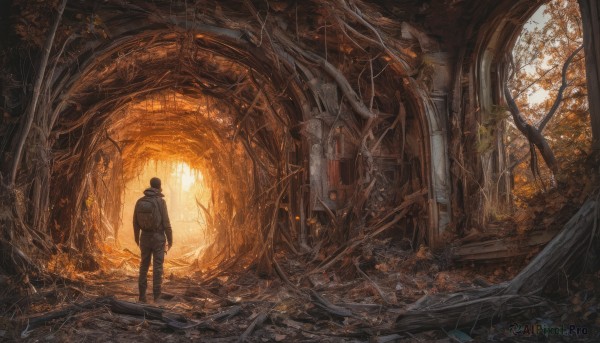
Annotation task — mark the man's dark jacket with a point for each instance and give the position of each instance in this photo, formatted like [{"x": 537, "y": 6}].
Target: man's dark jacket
[{"x": 166, "y": 223}]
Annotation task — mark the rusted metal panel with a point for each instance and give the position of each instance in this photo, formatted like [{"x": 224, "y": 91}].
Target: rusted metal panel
[{"x": 333, "y": 173}]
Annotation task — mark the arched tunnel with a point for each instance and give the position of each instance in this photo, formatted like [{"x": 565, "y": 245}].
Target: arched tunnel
[
  {"x": 323, "y": 140},
  {"x": 182, "y": 97},
  {"x": 246, "y": 114}
]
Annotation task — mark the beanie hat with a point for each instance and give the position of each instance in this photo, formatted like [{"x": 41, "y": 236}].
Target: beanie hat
[{"x": 155, "y": 182}]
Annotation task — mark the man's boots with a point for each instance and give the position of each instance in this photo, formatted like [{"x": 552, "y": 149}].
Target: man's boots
[{"x": 142, "y": 290}]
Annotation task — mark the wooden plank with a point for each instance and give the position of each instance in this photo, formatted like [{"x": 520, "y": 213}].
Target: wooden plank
[{"x": 502, "y": 248}]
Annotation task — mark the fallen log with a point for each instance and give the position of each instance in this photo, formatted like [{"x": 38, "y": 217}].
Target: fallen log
[
  {"x": 126, "y": 321},
  {"x": 468, "y": 311},
  {"x": 126, "y": 307},
  {"x": 510, "y": 298},
  {"x": 172, "y": 320},
  {"x": 561, "y": 253},
  {"x": 39, "y": 320}
]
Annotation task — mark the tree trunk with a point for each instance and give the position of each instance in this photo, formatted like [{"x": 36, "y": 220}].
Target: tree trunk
[
  {"x": 532, "y": 134},
  {"x": 590, "y": 16},
  {"x": 28, "y": 119}
]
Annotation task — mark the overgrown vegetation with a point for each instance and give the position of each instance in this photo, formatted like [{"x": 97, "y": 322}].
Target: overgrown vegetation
[
  {"x": 339, "y": 140},
  {"x": 540, "y": 56}
]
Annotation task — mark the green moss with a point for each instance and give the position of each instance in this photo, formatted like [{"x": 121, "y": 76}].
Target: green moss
[{"x": 486, "y": 132}]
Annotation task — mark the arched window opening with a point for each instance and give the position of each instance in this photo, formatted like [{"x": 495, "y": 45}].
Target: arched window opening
[{"x": 548, "y": 83}]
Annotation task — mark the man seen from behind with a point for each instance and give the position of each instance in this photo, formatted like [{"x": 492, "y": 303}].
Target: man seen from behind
[{"x": 152, "y": 229}]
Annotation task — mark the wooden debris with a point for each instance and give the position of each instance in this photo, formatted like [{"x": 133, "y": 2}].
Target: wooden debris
[
  {"x": 511, "y": 298},
  {"x": 324, "y": 304},
  {"x": 293, "y": 318},
  {"x": 134, "y": 309},
  {"x": 228, "y": 313},
  {"x": 377, "y": 229},
  {"x": 229, "y": 90},
  {"x": 373, "y": 283},
  {"x": 172, "y": 320},
  {"x": 502, "y": 248},
  {"x": 257, "y": 322},
  {"x": 39, "y": 320},
  {"x": 386, "y": 338}
]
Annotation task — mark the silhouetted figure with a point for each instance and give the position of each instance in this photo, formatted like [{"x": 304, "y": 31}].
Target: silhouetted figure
[{"x": 151, "y": 218}]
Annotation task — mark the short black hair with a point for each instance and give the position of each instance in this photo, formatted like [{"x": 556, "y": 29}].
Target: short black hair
[{"x": 155, "y": 182}]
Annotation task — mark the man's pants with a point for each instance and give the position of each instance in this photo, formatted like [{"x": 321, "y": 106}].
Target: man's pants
[{"x": 152, "y": 245}]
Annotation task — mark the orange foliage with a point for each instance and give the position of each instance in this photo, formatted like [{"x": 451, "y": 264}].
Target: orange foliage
[{"x": 539, "y": 56}]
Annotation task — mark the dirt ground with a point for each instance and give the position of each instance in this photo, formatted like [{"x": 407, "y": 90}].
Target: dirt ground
[
  {"x": 359, "y": 298},
  {"x": 359, "y": 302}
]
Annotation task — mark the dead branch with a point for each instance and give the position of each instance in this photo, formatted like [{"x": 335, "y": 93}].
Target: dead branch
[
  {"x": 228, "y": 313},
  {"x": 324, "y": 304},
  {"x": 351, "y": 245},
  {"x": 559, "y": 96},
  {"x": 355, "y": 102},
  {"x": 257, "y": 322},
  {"x": 468, "y": 311},
  {"x": 172, "y": 320},
  {"x": 531, "y": 133},
  {"x": 29, "y": 117},
  {"x": 557, "y": 101},
  {"x": 373, "y": 283},
  {"x": 404, "y": 66},
  {"x": 39, "y": 320},
  {"x": 114, "y": 143}
]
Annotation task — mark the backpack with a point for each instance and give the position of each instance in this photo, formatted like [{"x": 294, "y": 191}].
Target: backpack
[{"x": 147, "y": 214}]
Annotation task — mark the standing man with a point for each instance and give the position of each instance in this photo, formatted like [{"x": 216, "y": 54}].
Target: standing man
[{"x": 151, "y": 218}]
